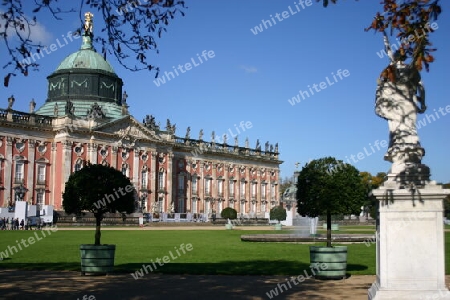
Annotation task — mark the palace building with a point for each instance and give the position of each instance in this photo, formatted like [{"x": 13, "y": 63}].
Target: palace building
[{"x": 85, "y": 118}]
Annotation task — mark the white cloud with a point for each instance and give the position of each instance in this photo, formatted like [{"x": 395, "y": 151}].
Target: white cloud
[
  {"x": 249, "y": 69},
  {"x": 37, "y": 33}
]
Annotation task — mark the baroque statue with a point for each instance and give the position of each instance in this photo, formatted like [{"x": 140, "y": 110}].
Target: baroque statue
[{"x": 400, "y": 96}]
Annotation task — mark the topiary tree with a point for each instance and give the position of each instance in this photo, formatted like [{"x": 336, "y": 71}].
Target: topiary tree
[
  {"x": 278, "y": 213},
  {"x": 98, "y": 189},
  {"x": 330, "y": 187},
  {"x": 229, "y": 213}
]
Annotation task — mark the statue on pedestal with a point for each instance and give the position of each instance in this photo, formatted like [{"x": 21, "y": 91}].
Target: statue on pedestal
[{"x": 400, "y": 96}]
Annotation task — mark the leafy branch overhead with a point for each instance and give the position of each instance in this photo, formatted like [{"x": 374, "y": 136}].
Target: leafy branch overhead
[
  {"x": 409, "y": 21},
  {"x": 129, "y": 29}
]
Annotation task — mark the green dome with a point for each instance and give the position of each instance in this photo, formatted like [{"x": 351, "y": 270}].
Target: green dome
[{"x": 85, "y": 58}]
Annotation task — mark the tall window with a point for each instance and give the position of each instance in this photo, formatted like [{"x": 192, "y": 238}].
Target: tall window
[
  {"x": 242, "y": 207},
  {"x": 194, "y": 185},
  {"x": 19, "y": 176},
  {"x": 181, "y": 205},
  {"x": 254, "y": 186},
  {"x": 40, "y": 199},
  {"x": 194, "y": 206},
  {"x": 41, "y": 174},
  {"x": 181, "y": 182},
  {"x": 220, "y": 188},
  {"x": 144, "y": 179},
  {"x": 263, "y": 191},
  {"x": 160, "y": 204},
  {"x": 125, "y": 169},
  {"x": 231, "y": 186},
  {"x": 78, "y": 165},
  {"x": 242, "y": 189},
  {"x": 208, "y": 186},
  {"x": 263, "y": 206},
  {"x": 161, "y": 180}
]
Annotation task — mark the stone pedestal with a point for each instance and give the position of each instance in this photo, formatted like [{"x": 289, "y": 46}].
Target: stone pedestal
[{"x": 410, "y": 244}]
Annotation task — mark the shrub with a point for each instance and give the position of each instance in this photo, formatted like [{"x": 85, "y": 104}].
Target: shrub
[
  {"x": 229, "y": 213},
  {"x": 278, "y": 213}
]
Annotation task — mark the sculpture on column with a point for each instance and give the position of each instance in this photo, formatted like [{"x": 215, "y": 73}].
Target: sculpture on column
[
  {"x": 32, "y": 106},
  {"x": 400, "y": 96},
  {"x": 11, "y": 101}
]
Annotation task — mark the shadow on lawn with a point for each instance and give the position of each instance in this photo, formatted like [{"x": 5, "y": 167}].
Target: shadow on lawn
[
  {"x": 253, "y": 267},
  {"x": 41, "y": 284}
]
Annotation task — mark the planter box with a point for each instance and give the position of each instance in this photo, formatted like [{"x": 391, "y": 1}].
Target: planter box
[
  {"x": 335, "y": 259},
  {"x": 228, "y": 226},
  {"x": 278, "y": 226},
  {"x": 97, "y": 259}
]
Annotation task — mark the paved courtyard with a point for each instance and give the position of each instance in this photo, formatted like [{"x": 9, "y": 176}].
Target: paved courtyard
[{"x": 16, "y": 284}]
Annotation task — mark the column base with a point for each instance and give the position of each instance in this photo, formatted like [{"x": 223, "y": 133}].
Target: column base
[{"x": 377, "y": 293}]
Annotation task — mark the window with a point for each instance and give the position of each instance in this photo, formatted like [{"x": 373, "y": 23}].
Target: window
[
  {"x": 125, "y": 169},
  {"x": 160, "y": 204},
  {"x": 161, "y": 180},
  {"x": 254, "y": 186},
  {"x": 41, "y": 174},
  {"x": 194, "y": 185},
  {"x": 194, "y": 206},
  {"x": 19, "y": 176},
  {"x": 220, "y": 188},
  {"x": 242, "y": 191},
  {"x": 242, "y": 207},
  {"x": 272, "y": 191},
  {"x": 144, "y": 179},
  {"x": 263, "y": 191},
  {"x": 40, "y": 200},
  {"x": 181, "y": 182},
  {"x": 181, "y": 205},
  {"x": 263, "y": 206},
  {"x": 78, "y": 165},
  {"x": 231, "y": 186},
  {"x": 207, "y": 186}
]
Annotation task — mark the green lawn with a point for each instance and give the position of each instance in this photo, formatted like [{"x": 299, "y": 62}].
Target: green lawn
[{"x": 214, "y": 252}]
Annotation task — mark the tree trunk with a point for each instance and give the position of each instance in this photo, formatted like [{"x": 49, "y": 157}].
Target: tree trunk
[
  {"x": 328, "y": 228},
  {"x": 98, "y": 234}
]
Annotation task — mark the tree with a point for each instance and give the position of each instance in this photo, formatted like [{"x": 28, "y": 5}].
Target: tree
[
  {"x": 98, "y": 189},
  {"x": 278, "y": 213},
  {"x": 371, "y": 183},
  {"x": 405, "y": 18},
  {"x": 129, "y": 30},
  {"x": 228, "y": 213},
  {"x": 331, "y": 187}
]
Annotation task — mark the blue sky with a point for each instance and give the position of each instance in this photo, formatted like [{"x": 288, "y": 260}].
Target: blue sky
[{"x": 251, "y": 77}]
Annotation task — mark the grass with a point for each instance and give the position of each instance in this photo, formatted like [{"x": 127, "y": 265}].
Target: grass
[{"x": 214, "y": 252}]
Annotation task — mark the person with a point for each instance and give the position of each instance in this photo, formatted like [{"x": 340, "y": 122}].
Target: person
[
  {"x": 16, "y": 224},
  {"x": 22, "y": 224}
]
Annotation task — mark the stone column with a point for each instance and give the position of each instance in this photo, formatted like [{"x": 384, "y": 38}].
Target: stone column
[
  {"x": 169, "y": 179},
  {"x": 201, "y": 189},
  {"x": 410, "y": 244},
  {"x": 31, "y": 168},
  {"x": 136, "y": 169},
  {"x": 9, "y": 160},
  {"x": 67, "y": 163},
  {"x": 52, "y": 183},
  {"x": 188, "y": 186},
  {"x": 114, "y": 150},
  {"x": 153, "y": 175}
]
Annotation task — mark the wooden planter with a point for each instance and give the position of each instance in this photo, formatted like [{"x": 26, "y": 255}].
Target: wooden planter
[
  {"x": 335, "y": 259},
  {"x": 97, "y": 259}
]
